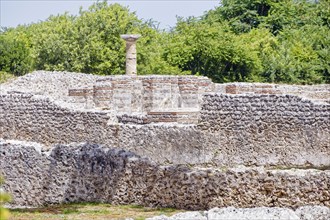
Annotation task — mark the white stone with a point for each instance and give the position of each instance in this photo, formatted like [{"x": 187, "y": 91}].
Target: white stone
[
  {"x": 313, "y": 213},
  {"x": 189, "y": 216},
  {"x": 161, "y": 217},
  {"x": 181, "y": 216},
  {"x": 260, "y": 213}
]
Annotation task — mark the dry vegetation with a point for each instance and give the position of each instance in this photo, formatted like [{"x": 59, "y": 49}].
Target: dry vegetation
[{"x": 87, "y": 211}]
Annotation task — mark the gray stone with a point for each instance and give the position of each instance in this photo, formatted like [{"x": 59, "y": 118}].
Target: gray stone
[
  {"x": 181, "y": 216},
  {"x": 161, "y": 217},
  {"x": 313, "y": 213},
  {"x": 218, "y": 139},
  {"x": 260, "y": 213},
  {"x": 189, "y": 216},
  {"x": 95, "y": 173},
  {"x": 215, "y": 160}
]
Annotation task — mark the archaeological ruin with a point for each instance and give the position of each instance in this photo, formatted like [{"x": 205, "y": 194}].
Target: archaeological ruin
[{"x": 167, "y": 141}]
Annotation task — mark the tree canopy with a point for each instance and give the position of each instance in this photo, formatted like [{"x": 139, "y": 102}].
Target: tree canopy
[{"x": 282, "y": 41}]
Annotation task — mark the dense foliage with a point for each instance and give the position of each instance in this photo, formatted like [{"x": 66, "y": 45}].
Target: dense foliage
[
  {"x": 241, "y": 40},
  {"x": 15, "y": 53},
  {"x": 89, "y": 43},
  {"x": 256, "y": 40}
]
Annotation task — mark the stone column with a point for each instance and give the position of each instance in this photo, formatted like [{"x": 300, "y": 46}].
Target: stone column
[{"x": 130, "y": 52}]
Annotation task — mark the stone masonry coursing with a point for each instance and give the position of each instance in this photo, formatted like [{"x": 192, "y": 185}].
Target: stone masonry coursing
[
  {"x": 85, "y": 172},
  {"x": 315, "y": 92},
  {"x": 163, "y": 96},
  {"x": 254, "y": 125},
  {"x": 165, "y": 89},
  {"x": 27, "y": 117},
  {"x": 142, "y": 94}
]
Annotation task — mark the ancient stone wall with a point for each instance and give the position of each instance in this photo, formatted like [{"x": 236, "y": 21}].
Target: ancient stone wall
[
  {"x": 28, "y": 117},
  {"x": 142, "y": 94},
  {"x": 224, "y": 137},
  {"x": 84, "y": 172},
  {"x": 314, "y": 92},
  {"x": 269, "y": 123},
  {"x": 32, "y": 118},
  {"x": 191, "y": 136},
  {"x": 244, "y": 111}
]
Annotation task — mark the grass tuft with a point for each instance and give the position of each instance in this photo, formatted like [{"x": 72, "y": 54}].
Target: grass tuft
[
  {"x": 96, "y": 211},
  {"x": 5, "y": 77}
]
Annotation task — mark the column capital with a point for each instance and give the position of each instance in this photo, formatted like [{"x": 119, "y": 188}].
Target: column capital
[{"x": 130, "y": 37}]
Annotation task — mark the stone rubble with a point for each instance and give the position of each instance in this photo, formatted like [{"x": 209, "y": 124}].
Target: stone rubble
[
  {"x": 54, "y": 85},
  {"x": 260, "y": 213}
]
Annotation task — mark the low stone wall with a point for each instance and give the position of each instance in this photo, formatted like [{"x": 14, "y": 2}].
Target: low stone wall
[
  {"x": 54, "y": 85},
  {"x": 279, "y": 124},
  {"x": 153, "y": 90},
  {"x": 313, "y": 92},
  {"x": 138, "y": 119},
  {"x": 142, "y": 94},
  {"x": 221, "y": 139},
  {"x": 93, "y": 173},
  {"x": 28, "y": 117}
]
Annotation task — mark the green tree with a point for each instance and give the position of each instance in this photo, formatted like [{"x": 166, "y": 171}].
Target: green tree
[
  {"x": 242, "y": 15},
  {"x": 300, "y": 56},
  {"x": 151, "y": 47},
  {"x": 212, "y": 50},
  {"x": 87, "y": 43},
  {"x": 294, "y": 14},
  {"x": 251, "y": 40},
  {"x": 51, "y": 42},
  {"x": 15, "y": 53},
  {"x": 91, "y": 43},
  {"x": 274, "y": 41}
]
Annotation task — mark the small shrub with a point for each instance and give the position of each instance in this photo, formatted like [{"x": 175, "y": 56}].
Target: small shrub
[{"x": 4, "y": 197}]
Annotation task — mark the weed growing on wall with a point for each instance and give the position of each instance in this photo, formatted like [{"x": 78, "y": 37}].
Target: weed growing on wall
[{"x": 4, "y": 197}]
